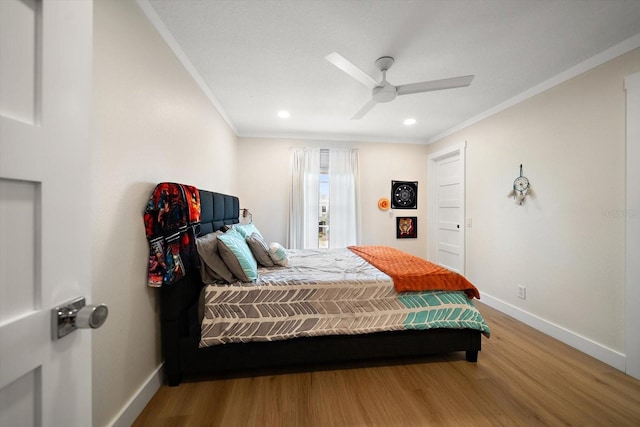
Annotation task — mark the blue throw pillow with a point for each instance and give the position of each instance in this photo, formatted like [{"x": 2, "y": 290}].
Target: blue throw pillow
[
  {"x": 236, "y": 254},
  {"x": 246, "y": 229}
]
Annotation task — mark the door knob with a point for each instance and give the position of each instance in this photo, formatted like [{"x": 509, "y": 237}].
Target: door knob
[{"x": 77, "y": 314}]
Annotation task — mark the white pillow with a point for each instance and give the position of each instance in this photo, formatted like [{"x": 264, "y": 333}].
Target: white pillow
[{"x": 278, "y": 254}]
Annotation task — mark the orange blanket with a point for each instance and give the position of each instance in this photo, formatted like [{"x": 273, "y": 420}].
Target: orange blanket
[{"x": 411, "y": 273}]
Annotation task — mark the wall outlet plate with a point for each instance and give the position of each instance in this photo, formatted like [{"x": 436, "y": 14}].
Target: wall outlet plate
[{"x": 522, "y": 292}]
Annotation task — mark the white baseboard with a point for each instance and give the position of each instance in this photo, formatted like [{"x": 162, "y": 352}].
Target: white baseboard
[
  {"x": 133, "y": 408},
  {"x": 585, "y": 345}
]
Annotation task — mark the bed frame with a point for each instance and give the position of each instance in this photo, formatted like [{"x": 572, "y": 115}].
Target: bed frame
[{"x": 180, "y": 329}]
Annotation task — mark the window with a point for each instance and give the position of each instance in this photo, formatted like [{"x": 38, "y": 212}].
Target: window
[{"x": 323, "y": 200}]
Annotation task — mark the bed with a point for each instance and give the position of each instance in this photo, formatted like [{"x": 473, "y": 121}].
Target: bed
[{"x": 182, "y": 315}]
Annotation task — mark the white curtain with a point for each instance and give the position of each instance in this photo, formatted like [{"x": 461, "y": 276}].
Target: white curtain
[
  {"x": 304, "y": 203},
  {"x": 303, "y": 198},
  {"x": 343, "y": 198}
]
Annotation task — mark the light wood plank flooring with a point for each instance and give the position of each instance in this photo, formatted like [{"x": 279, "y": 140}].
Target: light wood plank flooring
[{"x": 522, "y": 378}]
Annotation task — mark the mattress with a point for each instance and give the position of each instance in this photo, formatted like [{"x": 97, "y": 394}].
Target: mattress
[{"x": 326, "y": 292}]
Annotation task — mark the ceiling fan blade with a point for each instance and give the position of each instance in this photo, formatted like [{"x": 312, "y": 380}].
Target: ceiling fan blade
[
  {"x": 364, "y": 110},
  {"x": 432, "y": 85},
  {"x": 345, "y": 65}
]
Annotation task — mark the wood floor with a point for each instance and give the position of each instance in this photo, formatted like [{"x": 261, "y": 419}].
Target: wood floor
[{"x": 522, "y": 378}]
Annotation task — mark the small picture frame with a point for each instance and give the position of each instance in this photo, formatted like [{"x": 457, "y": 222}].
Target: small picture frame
[{"x": 407, "y": 227}]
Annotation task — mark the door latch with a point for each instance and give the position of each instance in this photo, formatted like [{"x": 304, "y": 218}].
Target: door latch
[{"x": 77, "y": 314}]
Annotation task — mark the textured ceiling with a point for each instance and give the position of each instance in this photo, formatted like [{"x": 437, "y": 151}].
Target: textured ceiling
[{"x": 256, "y": 57}]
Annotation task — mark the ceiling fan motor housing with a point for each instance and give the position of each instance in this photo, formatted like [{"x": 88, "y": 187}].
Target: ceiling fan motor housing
[{"x": 386, "y": 93}]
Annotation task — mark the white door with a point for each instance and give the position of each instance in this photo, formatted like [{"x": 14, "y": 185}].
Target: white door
[
  {"x": 45, "y": 103},
  {"x": 446, "y": 208}
]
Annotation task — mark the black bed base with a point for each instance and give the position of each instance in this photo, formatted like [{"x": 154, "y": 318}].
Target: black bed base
[{"x": 317, "y": 351}]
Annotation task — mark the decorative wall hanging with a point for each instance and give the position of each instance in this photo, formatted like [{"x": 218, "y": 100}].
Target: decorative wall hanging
[
  {"x": 404, "y": 194},
  {"x": 406, "y": 227},
  {"x": 521, "y": 186},
  {"x": 383, "y": 204}
]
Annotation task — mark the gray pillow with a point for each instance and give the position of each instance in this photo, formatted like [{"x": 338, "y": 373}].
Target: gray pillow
[
  {"x": 213, "y": 269},
  {"x": 260, "y": 250}
]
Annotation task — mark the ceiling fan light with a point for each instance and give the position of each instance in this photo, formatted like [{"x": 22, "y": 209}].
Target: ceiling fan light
[
  {"x": 410, "y": 121},
  {"x": 283, "y": 114}
]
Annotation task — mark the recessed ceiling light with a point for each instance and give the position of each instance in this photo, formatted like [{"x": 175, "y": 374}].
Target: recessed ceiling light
[
  {"x": 409, "y": 122},
  {"x": 283, "y": 114}
]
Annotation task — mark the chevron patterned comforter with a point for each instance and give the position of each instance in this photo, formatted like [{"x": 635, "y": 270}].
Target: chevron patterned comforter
[{"x": 326, "y": 292}]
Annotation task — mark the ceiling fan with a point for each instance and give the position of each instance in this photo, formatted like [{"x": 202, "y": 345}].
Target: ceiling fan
[{"x": 383, "y": 91}]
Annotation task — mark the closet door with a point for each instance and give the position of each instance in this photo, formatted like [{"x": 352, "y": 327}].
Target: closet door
[{"x": 446, "y": 208}]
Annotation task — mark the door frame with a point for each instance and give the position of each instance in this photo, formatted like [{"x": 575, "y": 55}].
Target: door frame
[
  {"x": 632, "y": 227},
  {"x": 432, "y": 200}
]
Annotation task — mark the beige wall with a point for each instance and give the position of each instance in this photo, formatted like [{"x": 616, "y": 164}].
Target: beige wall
[
  {"x": 565, "y": 244},
  {"x": 152, "y": 124},
  {"x": 264, "y": 187}
]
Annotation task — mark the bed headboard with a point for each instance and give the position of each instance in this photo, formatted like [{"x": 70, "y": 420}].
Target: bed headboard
[{"x": 217, "y": 210}]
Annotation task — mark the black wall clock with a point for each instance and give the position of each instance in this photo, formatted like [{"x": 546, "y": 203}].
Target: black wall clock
[{"x": 404, "y": 194}]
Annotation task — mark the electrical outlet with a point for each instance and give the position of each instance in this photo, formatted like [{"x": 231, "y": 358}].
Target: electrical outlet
[{"x": 522, "y": 292}]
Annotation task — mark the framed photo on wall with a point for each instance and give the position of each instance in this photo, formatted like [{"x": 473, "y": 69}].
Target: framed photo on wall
[
  {"x": 406, "y": 227},
  {"x": 404, "y": 194}
]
